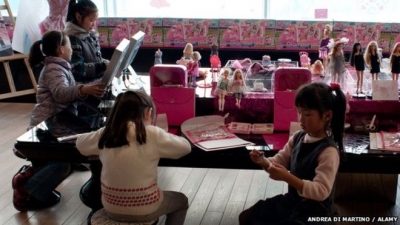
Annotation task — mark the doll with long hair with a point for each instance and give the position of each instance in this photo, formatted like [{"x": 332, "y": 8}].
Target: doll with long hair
[
  {"x": 317, "y": 68},
  {"x": 222, "y": 89},
  {"x": 238, "y": 86},
  {"x": 336, "y": 59},
  {"x": 193, "y": 67},
  {"x": 395, "y": 61},
  {"x": 323, "y": 46},
  {"x": 357, "y": 61},
  {"x": 372, "y": 59}
]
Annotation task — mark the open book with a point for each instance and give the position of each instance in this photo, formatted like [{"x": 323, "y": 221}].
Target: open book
[{"x": 210, "y": 133}]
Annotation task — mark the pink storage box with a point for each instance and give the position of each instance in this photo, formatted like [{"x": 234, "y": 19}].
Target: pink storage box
[
  {"x": 168, "y": 75},
  {"x": 177, "y": 102},
  {"x": 286, "y": 82},
  {"x": 291, "y": 78}
]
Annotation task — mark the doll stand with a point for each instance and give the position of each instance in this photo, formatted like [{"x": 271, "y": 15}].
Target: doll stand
[
  {"x": 359, "y": 96},
  {"x": 205, "y": 83}
]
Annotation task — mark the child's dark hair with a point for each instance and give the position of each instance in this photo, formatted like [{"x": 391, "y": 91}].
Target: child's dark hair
[
  {"x": 129, "y": 106},
  {"x": 322, "y": 97},
  {"x": 352, "y": 63},
  {"x": 50, "y": 42},
  {"x": 83, "y": 7}
]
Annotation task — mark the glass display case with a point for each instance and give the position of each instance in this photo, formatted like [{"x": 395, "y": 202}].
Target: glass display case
[{"x": 258, "y": 74}]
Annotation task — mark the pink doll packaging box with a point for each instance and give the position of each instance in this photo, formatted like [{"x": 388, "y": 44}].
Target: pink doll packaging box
[
  {"x": 5, "y": 41},
  {"x": 363, "y": 33},
  {"x": 242, "y": 33},
  {"x": 118, "y": 30},
  {"x": 102, "y": 29},
  {"x": 298, "y": 35},
  {"x": 395, "y": 35},
  {"x": 152, "y": 27},
  {"x": 199, "y": 32}
]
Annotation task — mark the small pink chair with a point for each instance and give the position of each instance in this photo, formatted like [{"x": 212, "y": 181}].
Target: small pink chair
[{"x": 215, "y": 63}]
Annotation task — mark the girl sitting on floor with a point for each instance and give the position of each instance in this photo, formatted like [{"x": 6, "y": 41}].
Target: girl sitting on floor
[{"x": 312, "y": 155}]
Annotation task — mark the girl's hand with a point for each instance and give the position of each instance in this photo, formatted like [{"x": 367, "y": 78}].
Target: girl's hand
[
  {"x": 258, "y": 158},
  {"x": 96, "y": 90},
  {"x": 106, "y": 62},
  {"x": 278, "y": 172}
]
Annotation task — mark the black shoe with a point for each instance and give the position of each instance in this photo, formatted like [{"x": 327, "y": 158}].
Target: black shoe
[{"x": 53, "y": 199}]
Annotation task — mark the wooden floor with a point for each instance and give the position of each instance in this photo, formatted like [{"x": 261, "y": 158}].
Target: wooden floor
[{"x": 216, "y": 196}]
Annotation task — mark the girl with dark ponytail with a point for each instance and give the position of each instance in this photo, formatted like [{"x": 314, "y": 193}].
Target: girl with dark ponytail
[{"x": 312, "y": 155}]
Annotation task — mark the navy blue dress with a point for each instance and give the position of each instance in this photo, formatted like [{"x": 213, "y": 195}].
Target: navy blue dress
[
  {"x": 375, "y": 64},
  {"x": 291, "y": 207},
  {"x": 359, "y": 62},
  {"x": 395, "y": 64}
]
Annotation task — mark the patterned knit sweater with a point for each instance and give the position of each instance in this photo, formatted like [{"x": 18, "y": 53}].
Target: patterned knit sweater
[{"x": 129, "y": 173}]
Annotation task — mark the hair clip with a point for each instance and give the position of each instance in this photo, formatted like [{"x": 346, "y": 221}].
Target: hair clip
[{"x": 335, "y": 85}]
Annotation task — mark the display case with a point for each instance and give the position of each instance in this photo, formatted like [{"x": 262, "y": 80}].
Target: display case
[
  {"x": 260, "y": 82},
  {"x": 258, "y": 75}
]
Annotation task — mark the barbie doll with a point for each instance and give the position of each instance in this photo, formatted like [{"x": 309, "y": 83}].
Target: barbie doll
[
  {"x": 158, "y": 57},
  {"x": 323, "y": 46},
  {"x": 222, "y": 89},
  {"x": 214, "y": 49},
  {"x": 395, "y": 61},
  {"x": 357, "y": 61},
  {"x": 336, "y": 60},
  {"x": 188, "y": 52},
  {"x": 238, "y": 86},
  {"x": 193, "y": 67},
  {"x": 317, "y": 68},
  {"x": 372, "y": 59},
  {"x": 187, "y": 55}
]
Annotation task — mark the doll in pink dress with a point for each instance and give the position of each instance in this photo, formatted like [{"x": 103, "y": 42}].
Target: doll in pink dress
[
  {"x": 193, "y": 67},
  {"x": 238, "y": 86},
  {"x": 58, "y": 10}
]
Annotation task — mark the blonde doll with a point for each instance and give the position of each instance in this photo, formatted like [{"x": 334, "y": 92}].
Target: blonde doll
[
  {"x": 187, "y": 55},
  {"x": 188, "y": 52},
  {"x": 372, "y": 60},
  {"x": 238, "y": 86},
  {"x": 323, "y": 46},
  {"x": 336, "y": 60},
  {"x": 222, "y": 89},
  {"x": 395, "y": 61},
  {"x": 193, "y": 67}
]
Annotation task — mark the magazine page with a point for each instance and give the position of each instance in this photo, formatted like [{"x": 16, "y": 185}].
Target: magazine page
[
  {"x": 209, "y": 133},
  {"x": 390, "y": 140}
]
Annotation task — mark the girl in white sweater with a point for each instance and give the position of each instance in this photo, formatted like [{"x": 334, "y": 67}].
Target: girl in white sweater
[{"x": 129, "y": 148}]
